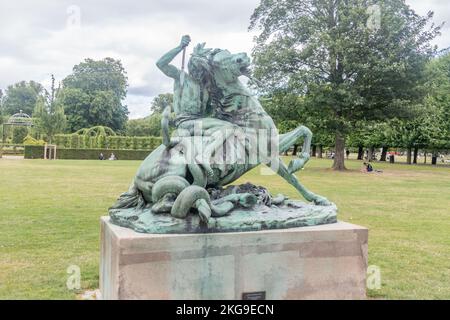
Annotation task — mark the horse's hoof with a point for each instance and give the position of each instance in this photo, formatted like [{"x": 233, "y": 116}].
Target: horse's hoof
[
  {"x": 321, "y": 201},
  {"x": 203, "y": 217}
]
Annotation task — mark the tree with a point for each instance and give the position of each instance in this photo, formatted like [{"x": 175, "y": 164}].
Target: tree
[
  {"x": 438, "y": 88},
  {"x": 160, "y": 102},
  {"x": 371, "y": 135},
  {"x": 21, "y": 96},
  {"x": 1, "y": 107},
  {"x": 348, "y": 71},
  {"x": 430, "y": 129},
  {"x": 289, "y": 111},
  {"x": 92, "y": 95},
  {"x": 49, "y": 114},
  {"x": 414, "y": 134},
  {"x": 1, "y": 104},
  {"x": 286, "y": 111},
  {"x": 19, "y": 133},
  {"x": 149, "y": 126}
]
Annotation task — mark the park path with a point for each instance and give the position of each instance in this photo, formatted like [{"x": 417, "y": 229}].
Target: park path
[{"x": 12, "y": 157}]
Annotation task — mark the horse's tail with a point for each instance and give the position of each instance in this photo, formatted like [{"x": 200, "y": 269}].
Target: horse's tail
[{"x": 133, "y": 198}]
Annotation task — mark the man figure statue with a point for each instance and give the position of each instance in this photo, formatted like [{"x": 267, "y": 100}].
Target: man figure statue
[{"x": 191, "y": 99}]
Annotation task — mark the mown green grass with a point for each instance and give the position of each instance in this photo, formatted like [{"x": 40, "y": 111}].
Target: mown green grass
[{"x": 49, "y": 220}]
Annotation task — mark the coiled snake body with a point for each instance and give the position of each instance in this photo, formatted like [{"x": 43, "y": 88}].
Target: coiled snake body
[{"x": 193, "y": 196}]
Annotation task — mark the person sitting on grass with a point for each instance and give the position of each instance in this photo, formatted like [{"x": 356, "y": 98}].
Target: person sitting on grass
[{"x": 368, "y": 168}]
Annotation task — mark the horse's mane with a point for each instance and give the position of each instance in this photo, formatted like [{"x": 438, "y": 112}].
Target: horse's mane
[{"x": 201, "y": 68}]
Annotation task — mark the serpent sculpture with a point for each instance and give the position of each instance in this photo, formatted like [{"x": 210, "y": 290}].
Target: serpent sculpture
[{"x": 221, "y": 133}]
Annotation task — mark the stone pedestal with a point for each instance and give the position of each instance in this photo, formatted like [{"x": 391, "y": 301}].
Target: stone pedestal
[{"x": 322, "y": 262}]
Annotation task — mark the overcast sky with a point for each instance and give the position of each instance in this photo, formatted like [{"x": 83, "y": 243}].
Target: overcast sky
[{"x": 41, "y": 37}]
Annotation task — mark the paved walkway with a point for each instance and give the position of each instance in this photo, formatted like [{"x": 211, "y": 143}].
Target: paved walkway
[{"x": 7, "y": 157}]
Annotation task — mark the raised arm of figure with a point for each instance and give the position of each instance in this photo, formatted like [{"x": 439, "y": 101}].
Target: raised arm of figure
[{"x": 164, "y": 62}]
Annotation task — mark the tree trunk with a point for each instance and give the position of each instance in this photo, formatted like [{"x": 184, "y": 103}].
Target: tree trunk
[
  {"x": 360, "y": 153},
  {"x": 383, "y": 154},
  {"x": 295, "y": 150},
  {"x": 339, "y": 153},
  {"x": 425, "y": 157},
  {"x": 416, "y": 151},
  {"x": 314, "y": 151},
  {"x": 370, "y": 154},
  {"x": 392, "y": 158},
  {"x": 319, "y": 152},
  {"x": 434, "y": 159},
  {"x": 408, "y": 156}
]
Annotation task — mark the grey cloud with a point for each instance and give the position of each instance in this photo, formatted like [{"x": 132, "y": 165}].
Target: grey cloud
[{"x": 35, "y": 40}]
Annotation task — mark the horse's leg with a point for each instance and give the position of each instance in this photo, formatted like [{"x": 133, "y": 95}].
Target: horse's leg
[
  {"x": 292, "y": 179},
  {"x": 289, "y": 139}
]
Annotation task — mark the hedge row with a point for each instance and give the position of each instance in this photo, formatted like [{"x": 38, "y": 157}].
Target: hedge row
[
  {"x": 37, "y": 152},
  {"x": 11, "y": 149},
  {"x": 76, "y": 141}
]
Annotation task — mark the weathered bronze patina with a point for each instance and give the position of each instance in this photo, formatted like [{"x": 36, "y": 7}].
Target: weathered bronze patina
[{"x": 222, "y": 132}]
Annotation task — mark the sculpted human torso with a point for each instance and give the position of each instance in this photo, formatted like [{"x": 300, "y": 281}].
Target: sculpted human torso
[{"x": 187, "y": 99}]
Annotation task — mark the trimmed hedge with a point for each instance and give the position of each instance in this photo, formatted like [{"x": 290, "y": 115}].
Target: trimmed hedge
[
  {"x": 34, "y": 152},
  {"x": 11, "y": 149},
  {"x": 76, "y": 141},
  {"x": 37, "y": 152}
]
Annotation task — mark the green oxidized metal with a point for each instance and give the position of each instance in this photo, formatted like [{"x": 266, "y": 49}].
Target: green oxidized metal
[{"x": 221, "y": 133}]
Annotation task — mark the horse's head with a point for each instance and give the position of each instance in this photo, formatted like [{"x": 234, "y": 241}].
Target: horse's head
[
  {"x": 230, "y": 66},
  {"x": 218, "y": 62}
]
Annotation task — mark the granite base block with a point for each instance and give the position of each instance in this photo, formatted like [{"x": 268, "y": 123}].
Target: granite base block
[{"x": 320, "y": 262}]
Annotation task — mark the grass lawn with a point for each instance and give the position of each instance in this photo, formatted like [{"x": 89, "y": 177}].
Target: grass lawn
[{"x": 50, "y": 213}]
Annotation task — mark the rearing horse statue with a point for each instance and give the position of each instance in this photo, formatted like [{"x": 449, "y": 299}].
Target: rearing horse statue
[{"x": 222, "y": 133}]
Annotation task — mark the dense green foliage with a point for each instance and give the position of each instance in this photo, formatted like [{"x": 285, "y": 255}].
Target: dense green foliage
[
  {"x": 37, "y": 152},
  {"x": 347, "y": 70},
  {"x": 92, "y": 95},
  {"x": 160, "y": 102},
  {"x": 96, "y": 131},
  {"x": 438, "y": 100},
  {"x": 19, "y": 134},
  {"x": 76, "y": 141},
  {"x": 428, "y": 130},
  {"x": 30, "y": 141},
  {"x": 20, "y": 96},
  {"x": 149, "y": 126},
  {"x": 49, "y": 114}
]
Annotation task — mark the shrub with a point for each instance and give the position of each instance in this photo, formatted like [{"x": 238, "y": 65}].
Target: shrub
[
  {"x": 74, "y": 141},
  {"x": 29, "y": 140},
  {"x": 34, "y": 152},
  {"x": 19, "y": 134},
  {"x": 77, "y": 141},
  {"x": 37, "y": 152},
  {"x": 101, "y": 142}
]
